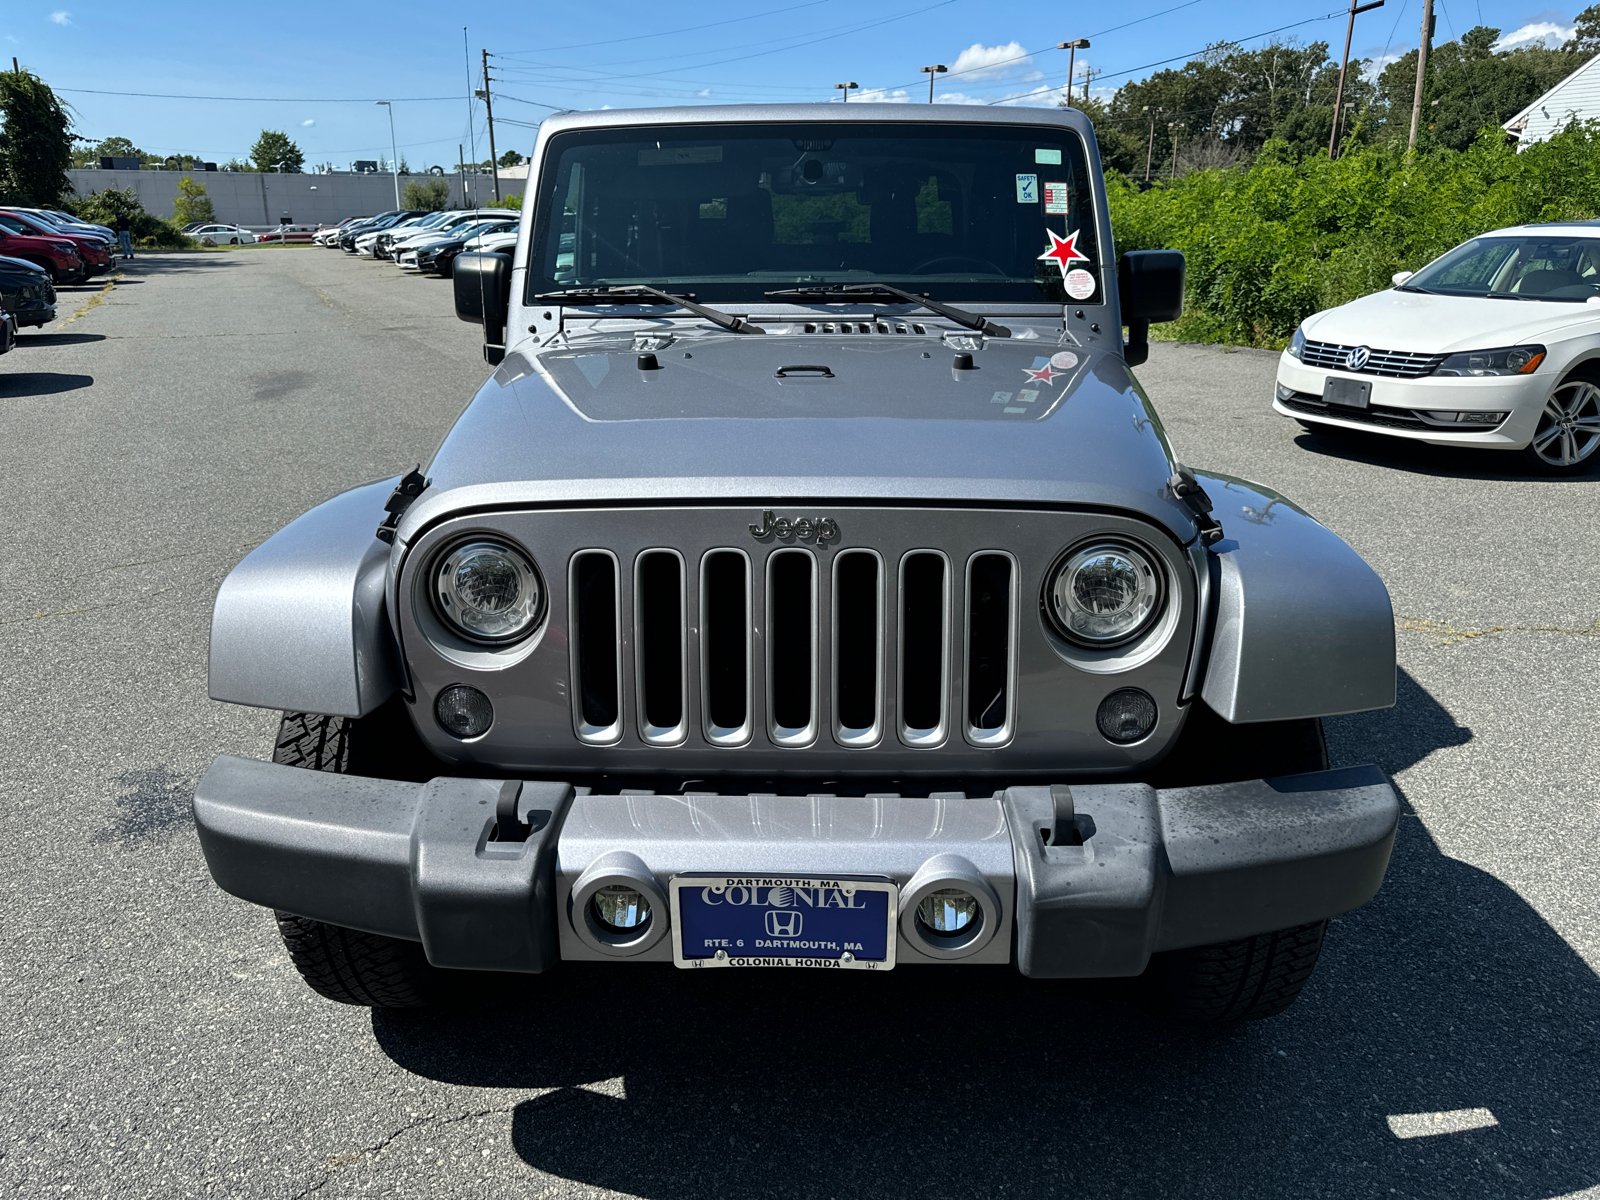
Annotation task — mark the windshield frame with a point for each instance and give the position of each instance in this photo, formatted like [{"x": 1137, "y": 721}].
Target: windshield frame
[{"x": 747, "y": 292}]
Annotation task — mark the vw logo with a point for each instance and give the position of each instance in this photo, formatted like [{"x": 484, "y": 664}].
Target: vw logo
[
  {"x": 1357, "y": 358},
  {"x": 782, "y": 924}
]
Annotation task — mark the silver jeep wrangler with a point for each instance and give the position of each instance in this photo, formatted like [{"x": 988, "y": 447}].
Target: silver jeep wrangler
[{"x": 811, "y": 585}]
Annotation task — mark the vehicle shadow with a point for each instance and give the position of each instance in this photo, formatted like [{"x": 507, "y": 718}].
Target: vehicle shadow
[
  {"x": 29, "y": 341},
  {"x": 14, "y": 384},
  {"x": 1448, "y": 992},
  {"x": 1421, "y": 458}
]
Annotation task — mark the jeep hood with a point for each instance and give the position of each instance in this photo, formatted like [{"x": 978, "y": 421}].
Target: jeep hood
[{"x": 844, "y": 417}]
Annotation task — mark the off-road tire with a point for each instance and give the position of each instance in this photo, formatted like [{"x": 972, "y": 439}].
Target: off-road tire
[
  {"x": 348, "y": 965},
  {"x": 353, "y": 967},
  {"x": 1243, "y": 980}
]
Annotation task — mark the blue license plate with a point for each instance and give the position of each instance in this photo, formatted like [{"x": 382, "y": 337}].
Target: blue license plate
[{"x": 840, "y": 922}]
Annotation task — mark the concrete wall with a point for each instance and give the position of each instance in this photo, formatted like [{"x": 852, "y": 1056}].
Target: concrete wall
[{"x": 255, "y": 199}]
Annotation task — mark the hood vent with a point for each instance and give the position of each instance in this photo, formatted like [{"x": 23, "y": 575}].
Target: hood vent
[{"x": 898, "y": 327}]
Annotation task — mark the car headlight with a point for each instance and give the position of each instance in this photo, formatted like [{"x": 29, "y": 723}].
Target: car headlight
[
  {"x": 1297, "y": 344},
  {"x": 1508, "y": 360},
  {"x": 488, "y": 590},
  {"x": 1104, "y": 594}
]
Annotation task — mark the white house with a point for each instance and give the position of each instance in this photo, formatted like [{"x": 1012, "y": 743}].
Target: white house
[{"x": 1577, "y": 97}]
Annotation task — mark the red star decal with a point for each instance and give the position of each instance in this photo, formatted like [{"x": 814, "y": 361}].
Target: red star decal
[
  {"x": 1064, "y": 250},
  {"x": 1043, "y": 375}
]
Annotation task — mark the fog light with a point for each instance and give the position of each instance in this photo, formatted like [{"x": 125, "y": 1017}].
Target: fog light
[
  {"x": 620, "y": 909},
  {"x": 948, "y": 912},
  {"x": 1126, "y": 715},
  {"x": 463, "y": 711}
]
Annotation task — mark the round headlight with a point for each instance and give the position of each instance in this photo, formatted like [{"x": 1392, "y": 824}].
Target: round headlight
[
  {"x": 1104, "y": 594},
  {"x": 947, "y": 912},
  {"x": 620, "y": 909},
  {"x": 488, "y": 591}
]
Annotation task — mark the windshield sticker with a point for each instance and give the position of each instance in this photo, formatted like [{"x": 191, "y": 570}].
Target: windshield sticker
[
  {"x": 678, "y": 155},
  {"x": 1001, "y": 398},
  {"x": 1041, "y": 371},
  {"x": 1027, "y": 396},
  {"x": 1048, "y": 157},
  {"x": 1080, "y": 284},
  {"x": 1063, "y": 250},
  {"x": 1055, "y": 198},
  {"x": 1064, "y": 360},
  {"x": 1021, "y": 410},
  {"x": 1027, "y": 189}
]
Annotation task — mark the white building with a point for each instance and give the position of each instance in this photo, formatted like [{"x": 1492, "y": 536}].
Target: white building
[{"x": 1575, "y": 98}]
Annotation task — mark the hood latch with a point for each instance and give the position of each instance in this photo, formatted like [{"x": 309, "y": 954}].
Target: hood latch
[
  {"x": 1185, "y": 488},
  {"x": 412, "y": 485}
]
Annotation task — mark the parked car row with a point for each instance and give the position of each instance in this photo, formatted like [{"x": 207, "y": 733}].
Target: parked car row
[
  {"x": 427, "y": 243},
  {"x": 68, "y": 250},
  {"x": 27, "y": 297}
]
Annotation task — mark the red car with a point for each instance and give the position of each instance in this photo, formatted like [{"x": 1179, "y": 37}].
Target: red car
[
  {"x": 92, "y": 248},
  {"x": 56, "y": 253}
]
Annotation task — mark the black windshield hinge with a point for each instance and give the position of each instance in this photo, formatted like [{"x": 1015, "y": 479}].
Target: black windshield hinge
[
  {"x": 408, "y": 489},
  {"x": 1185, "y": 488}
]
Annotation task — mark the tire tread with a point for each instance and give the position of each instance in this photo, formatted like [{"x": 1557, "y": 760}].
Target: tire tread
[{"x": 1247, "y": 979}]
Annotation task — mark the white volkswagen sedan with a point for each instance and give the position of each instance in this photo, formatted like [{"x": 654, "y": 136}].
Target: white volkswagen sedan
[{"x": 1495, "y": 344}]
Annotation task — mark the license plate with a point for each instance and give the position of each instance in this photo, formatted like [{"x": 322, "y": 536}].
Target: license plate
[
  {"x": 841, "y": 922},
  {"x": 1351, "y": 393}
]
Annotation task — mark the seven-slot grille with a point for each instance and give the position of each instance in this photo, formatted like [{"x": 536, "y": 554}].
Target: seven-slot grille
[
  {"x": 848, "y": 593},
  {"x": 1397, "y": 364}
]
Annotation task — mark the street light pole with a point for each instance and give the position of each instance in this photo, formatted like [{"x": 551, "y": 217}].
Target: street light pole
[
  {"x": 394, "y": 152},
  {"x": 932, "y": 73},
  {"x": 847, "y": 87},
  {"x": 1072, "y": 49},
  {"x": 1344, "y": 63}
]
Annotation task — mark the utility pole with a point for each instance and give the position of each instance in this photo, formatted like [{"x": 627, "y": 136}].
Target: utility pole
[
  {"x": 488, "y": 113},
  {"x": 394, "y": 163},
  {"x": 1422, "y": 70},
  {"x": 1089, "y": 76},
  {"x": 933, "y": 73},
  {"x": 1151, "y": 149},
  {"x": 1072, "y": 49},
  {"x": 1172, "y": 125},
  {"x": 1344, "y": 63},
  {"x": 848, "y": 86}
]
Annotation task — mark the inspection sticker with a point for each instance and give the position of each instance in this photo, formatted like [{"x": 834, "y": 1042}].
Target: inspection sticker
[
  {"x": 1080, "y": 284},
  {"x": 1027, "y": 189},
  {"x": 1047, "y": 157},
  {"x": 1063, "y": 360},
  {"x": 1027, "y": 395},
  {"x": 1055, "y": 198}
]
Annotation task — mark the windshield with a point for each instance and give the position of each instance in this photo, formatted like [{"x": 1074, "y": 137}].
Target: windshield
[
  {"x": 731, "y": 212},
  {"x": 1539, "y": 268}
]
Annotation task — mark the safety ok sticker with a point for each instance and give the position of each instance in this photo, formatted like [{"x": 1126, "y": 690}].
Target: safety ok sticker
[
  {"x": 1055, "y": 198},
  {"x": 1027, "y": 189}
]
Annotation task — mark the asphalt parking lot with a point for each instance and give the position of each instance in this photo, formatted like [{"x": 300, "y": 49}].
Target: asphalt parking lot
[{"x": 158, "y": 1042}]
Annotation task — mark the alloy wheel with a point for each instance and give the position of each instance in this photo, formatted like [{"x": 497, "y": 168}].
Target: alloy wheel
[{"x": 1569, "y": 427}]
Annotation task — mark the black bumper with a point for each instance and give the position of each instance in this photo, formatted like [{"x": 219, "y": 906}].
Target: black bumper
[{"x": 1156, "y": 870}]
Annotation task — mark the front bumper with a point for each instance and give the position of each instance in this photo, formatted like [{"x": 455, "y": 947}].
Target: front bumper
[
  {"x": 1522, "y": 397},
  {"x": 1156, "y": 870}
]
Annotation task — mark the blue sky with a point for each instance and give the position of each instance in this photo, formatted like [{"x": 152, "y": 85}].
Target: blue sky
[{"x": 315, "y": 71}]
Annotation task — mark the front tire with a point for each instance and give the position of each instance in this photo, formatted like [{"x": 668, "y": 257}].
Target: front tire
[
  {"x": 1247, "y": 979},
  {"x": 349, "y": 965},
  {"x": 1567, "y": 436}
]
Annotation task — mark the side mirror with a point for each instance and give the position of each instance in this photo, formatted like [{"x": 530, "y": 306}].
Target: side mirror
[
  {"x": 1400, "y": 277},
  {"x": 483, "y": 296},
  {"x": 1150, "y": 288}
]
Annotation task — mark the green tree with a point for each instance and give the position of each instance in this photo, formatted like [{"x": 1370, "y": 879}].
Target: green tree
[
  {"x": 111, "y": 147},
  {"x": 1585, "y": 39},
  {"x": 274, "y": 149},
  {"x": 430, "y": 195},
  {"x": 149, "y": 231},
  {"x": 35, "y": 142},
  {"x": 510, "y": 159},
  {"x": 192, "y": 203}
]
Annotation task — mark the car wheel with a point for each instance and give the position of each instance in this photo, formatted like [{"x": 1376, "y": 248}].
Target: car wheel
[
  {"x": 1243, "y": 980},
  {"x": 1568, "y": 432},
  {"x": 349, "y": 965},
  {"x": 233, "y": 241}
]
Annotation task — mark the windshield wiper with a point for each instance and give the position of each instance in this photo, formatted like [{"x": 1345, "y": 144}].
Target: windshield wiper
[
  {"x": 621, "y": 293},
  {"x": 1509, "y": 296},
  {"x": 863, "y": 290},
  {"x": 1410, "y": 287}
]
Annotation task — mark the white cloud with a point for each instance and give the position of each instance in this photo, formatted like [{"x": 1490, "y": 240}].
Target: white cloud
[
  {"x": 307, "y": 123},
  {"x": 880, "y": 96},
  {"x": 1549, "y": 33},
  {"x": 1377, "y": 63},
  {"x": 703, "y": 94},
  {"x": 61, "y": 17},
  {"x": 978, "y": 61}
]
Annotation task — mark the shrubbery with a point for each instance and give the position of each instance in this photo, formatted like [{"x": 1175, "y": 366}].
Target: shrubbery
[
  {"x": 429, "y": 195},
  {"x": 149, "y": 232},
  {"x": 1270, "y": 244}
]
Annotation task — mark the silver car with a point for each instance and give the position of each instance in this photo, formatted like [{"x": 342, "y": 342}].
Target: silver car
[{"x": 811, "y": 585}]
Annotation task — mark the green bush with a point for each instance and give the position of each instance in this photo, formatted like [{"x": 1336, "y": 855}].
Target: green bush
[
  {"x": 511, "y": 200},
  {"x": 429, "y": 196},
  {"x": 192, "y": 204},
  {"x": 1271, "y": 244},
  {"x": 149, "y": 232}
]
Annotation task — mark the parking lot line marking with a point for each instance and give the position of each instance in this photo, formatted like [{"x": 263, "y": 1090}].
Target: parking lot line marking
[{"x": 1431, "y": 1124}]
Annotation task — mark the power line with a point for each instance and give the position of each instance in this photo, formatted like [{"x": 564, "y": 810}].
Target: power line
[
  {"x": 258, "y": 99},
  {"x": 669, "y": 32}
]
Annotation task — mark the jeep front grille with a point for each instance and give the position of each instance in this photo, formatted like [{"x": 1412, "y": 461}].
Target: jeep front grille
[
  {"x": 848, "y": 595},
  {"x": 1396, "y": 364}
]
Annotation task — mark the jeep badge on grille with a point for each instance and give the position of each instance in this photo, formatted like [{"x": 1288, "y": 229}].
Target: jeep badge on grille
[{"x": 824, "y": 529}]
